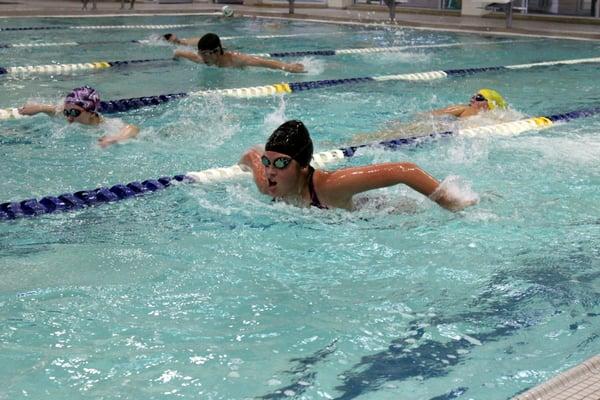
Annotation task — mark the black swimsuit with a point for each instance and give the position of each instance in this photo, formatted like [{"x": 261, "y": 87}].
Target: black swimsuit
[{"x": 314, "y": 199}]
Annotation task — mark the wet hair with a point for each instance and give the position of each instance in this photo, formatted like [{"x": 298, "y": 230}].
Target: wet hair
[
  {"x": 168, "y": 36},
  {"x": 85, "y": 97},
  {"x": 209, "y": 42},
  {"x": 292, "y": 138}
]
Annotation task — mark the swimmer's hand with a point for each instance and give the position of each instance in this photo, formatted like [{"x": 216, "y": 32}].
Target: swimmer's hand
[
  {"x": 251, "y": 158},
  {"x": 106, "y": 141},
  {"x": 251, "y": 162},
  {"x": 452, "y": 197},
  {"x": 297, "y": 67},
  {"x": 128, "y": 132}
]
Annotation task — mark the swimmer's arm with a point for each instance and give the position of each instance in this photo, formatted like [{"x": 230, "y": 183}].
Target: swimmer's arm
[
  {"x": 190, "y": 55},
  {"x": 456, "y": 110},
  {"x": 189, "y": 41},
  {"x": 253, "y": 61},
  {"x": 250, "y": 161},
  {"x": 341, "y": 185},
  {"x": 126, "y": 133},
  {"x": 34, "y": 108}
]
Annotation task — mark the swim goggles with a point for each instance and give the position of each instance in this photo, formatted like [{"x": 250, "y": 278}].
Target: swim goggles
[
  {"x": 72, "y": 112},
  {"x": 478, "y": 97},
  {"x": 210, "y": 52},
  {"x": 279, "y": 163}
]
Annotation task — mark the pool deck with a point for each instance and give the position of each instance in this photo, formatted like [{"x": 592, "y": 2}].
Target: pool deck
[
  {"x": 538, "y": 25},
  {"x": 579, "y": 383}
]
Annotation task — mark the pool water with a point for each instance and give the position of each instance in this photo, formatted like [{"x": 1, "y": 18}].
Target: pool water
[{"x": 214, "y": 292}]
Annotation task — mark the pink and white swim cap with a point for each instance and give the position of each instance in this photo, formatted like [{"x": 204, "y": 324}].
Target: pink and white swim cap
[{"x": 85, "y": 97}]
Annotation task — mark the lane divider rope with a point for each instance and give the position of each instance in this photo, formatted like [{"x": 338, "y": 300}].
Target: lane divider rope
[
  {"x": 370, "y": 50},
  {"x": 146, "y": 41},
  {"x": 123, "y": 105},
  {"x": 58, "y": 68},
  {"x": 91, "y": 27},
  {"x": 86, "y": 198}
]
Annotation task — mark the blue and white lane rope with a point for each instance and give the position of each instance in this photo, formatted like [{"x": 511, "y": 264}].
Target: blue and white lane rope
[
  {"x": 146, "y": 41},
  {"x": 96, "y": 27},
  {"x": 123, "y": 105},
  {"x": 62, "y": 68},
  {"x": 371, "y": 50},
  {"x": 87, "y": 198}
]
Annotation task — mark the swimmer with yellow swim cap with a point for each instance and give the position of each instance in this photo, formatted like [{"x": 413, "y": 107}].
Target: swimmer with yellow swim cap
[{"x": 483, "y": 100}]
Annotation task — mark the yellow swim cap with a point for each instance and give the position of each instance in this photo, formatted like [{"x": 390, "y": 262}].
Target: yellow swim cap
[{"x": 493, "y": 98}]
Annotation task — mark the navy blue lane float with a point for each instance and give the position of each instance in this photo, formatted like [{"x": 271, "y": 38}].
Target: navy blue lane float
[
  {"x": 84, "y": 198},
  {"x": 123, "y": 105},
  {"x": 87, "y": 198}
]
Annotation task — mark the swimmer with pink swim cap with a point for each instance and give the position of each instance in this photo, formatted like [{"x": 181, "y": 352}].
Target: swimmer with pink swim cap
[{"x": 81, "y": 105}]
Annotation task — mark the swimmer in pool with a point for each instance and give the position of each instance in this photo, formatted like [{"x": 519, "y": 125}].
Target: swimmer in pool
[
  {"x": 81, "y": 106},
  {"x": 283, "y": 171},
  {"x": 483, "y": 100},
  {"x": 210, "y": 52},
  {"x": 226, "y": 11}
]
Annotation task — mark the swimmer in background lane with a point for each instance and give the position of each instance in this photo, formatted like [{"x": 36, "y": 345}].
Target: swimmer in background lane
[
  {"x": 81, "y": 106},
  {"x": 483, "y": 100},
  {"x": 283, "y": 171},
  {"x": 210, "y": 52},
  {"x": 226, "y": 11}
]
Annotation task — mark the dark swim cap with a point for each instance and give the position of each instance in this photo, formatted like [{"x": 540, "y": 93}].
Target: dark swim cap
[
  {"x": 167, "y": 36},
  {"x": 292, "y": 139},
  {"x": 209, "y": 42}
]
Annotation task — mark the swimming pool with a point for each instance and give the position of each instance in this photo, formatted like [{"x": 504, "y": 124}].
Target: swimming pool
[{"x": 214, "y": 292}]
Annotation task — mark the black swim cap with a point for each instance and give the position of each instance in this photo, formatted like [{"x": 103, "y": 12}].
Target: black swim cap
[
  {"x": 167, "y": 36},
  {"x": 210, "y": 41},
  {"x": 292, "y": 139}
]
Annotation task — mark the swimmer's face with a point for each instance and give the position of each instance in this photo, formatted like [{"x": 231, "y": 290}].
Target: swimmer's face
[
  {"x": 75, "y": 113},
  {"x": 282, "y": 181},
  {"x": 210, "y": 57},
  {"x": 479, "y": 102},
  {"x": 173, "y": 39}
]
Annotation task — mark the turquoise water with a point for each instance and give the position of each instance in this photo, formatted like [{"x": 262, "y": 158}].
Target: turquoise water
[{"x": 214, "y": 292}]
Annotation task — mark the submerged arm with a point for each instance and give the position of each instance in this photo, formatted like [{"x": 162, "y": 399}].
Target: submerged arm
[{"x": 126, "y": 133}]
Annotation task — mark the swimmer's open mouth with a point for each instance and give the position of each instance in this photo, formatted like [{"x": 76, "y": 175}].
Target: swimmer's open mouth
[{"x": 271, "y": 183}]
